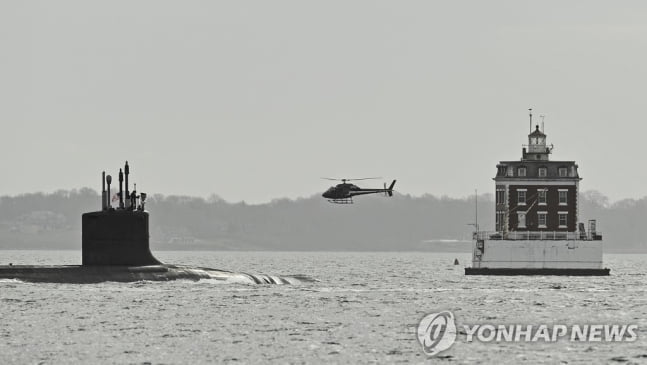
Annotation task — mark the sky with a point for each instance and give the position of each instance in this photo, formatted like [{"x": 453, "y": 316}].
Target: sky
[{"x": 257, "y": 100}]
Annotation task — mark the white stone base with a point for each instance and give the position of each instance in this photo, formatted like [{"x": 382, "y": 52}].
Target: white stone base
[{"x": 545, "y": 254}]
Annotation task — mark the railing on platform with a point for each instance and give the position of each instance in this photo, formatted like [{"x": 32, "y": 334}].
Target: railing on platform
[{"x": 538, "y": 236}]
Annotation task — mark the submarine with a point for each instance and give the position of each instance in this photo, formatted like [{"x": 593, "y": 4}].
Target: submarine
[{"x": 115, "y": 247}]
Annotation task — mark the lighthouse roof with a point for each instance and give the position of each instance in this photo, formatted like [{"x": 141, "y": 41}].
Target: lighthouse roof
[
  {"x": 537, "y": 133},
  {"x": 509, "y": 170}
]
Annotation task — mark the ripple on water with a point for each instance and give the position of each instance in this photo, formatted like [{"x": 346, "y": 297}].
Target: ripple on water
[{"x": 363, "y": 308}]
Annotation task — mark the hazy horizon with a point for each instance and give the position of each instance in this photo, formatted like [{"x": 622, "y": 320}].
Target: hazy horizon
[
  {"x": 257, "y": 100},
  {"x": 592, "y": 194},
  {"x": 373, "y": 223}
]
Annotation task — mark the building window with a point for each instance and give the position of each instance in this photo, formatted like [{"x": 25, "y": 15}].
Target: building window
[
  {"x": 541, "y": 219},
  {"x": 500, "y": 196},
  {"x": 563, "y": 219},
  {"x": 541, "y": 196},
  {"x": 542, "y": 172},
  {"x": 563, "y": 171},
  {"x": 563, "y": 197},
  {"x": 521, "y": 219},
  {"x": 510, "y": 171},
  {"x": 521, "y": 197},
  {"x": 522, "y": 172}
]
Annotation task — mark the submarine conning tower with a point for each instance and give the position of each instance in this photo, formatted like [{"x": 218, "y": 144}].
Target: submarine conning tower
[{"x": 117, "y": 236}]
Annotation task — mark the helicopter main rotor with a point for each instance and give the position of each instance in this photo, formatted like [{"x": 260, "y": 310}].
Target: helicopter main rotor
[{"x": 355, "y": 179}]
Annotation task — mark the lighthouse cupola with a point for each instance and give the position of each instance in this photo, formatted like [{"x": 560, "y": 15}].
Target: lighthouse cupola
[{"x": 537, "y": 149}]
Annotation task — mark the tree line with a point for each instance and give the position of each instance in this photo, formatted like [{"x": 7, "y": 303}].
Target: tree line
[{"x": 401, "y": 223}]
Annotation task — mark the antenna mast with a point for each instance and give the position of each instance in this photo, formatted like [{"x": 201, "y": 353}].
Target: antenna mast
[
  {"x": 542, "y": 116},
  {"x": 476, "y": 209},
  {"x": 530, "y": 112}
]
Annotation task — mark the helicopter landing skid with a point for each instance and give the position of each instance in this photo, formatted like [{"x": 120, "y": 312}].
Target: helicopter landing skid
[{"x": 341, "y": 201}]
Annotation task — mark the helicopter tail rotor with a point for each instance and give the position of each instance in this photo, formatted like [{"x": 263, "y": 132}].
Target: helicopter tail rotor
[{"x": 389, "y": 191}]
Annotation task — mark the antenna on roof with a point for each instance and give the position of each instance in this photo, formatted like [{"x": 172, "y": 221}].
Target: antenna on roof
[
  {"x": 530, "y": 111},
  {"x": 542, "y": 116},
  {"x": 476, "y": 209}
]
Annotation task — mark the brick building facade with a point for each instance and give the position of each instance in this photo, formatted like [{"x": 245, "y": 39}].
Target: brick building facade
[{"x": 536, "y": 194}]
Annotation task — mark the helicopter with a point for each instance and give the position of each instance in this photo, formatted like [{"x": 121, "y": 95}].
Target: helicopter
[{"x": 343, "y": 193}]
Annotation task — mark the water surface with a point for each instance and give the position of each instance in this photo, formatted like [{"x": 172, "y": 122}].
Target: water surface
[{"x": 364, "y": 308}]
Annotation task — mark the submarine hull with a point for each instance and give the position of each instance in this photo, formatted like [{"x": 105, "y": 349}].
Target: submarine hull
[
  {"x": 78, "y": 274},
  {"x": 115, "y": 247}
]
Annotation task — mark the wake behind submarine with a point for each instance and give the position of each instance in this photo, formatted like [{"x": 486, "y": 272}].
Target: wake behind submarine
[{"x": 115, "y": 247}]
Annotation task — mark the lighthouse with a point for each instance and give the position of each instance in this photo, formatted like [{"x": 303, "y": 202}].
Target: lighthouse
[
  {"x": 535, "y": 194},
  {"x": 537, "y": 227}
]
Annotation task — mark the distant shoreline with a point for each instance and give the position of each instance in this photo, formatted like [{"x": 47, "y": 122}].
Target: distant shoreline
[
  {"x": 399, "y": 224},
  {"x": 201, "y": 249}
]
